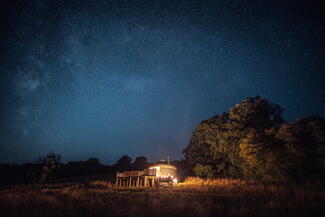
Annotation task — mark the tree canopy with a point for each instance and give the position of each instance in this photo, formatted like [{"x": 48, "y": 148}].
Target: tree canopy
[
  {"x": 140, "y": 163},
  {"x": 252, "y": 140},
  {"x": 123, "y": 164}
]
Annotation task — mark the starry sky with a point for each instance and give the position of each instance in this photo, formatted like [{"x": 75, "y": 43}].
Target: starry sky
[{"x": 106, "y": 78}]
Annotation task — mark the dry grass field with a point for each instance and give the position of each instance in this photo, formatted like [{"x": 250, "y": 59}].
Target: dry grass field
[{"x": 195, "y": 197}]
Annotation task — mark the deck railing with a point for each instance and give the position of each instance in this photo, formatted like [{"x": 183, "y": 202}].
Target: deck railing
[{"x": 145, "y": 172}]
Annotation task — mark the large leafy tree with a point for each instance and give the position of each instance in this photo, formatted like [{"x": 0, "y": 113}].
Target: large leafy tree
[
  {"x": 203, "y": 171},
  {"x": 304, "y": 144},
  {"x": 253, "y": 141},
  {"x": 262, "y": 155},
  {"x": 216, "y": 141},
  {"x": 291, "y": 153}
]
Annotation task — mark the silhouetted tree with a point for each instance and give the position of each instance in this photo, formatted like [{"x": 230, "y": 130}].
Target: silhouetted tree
[
  {"x": 123, "y": 164},
  {"x": 92, "y": 162},
  {"x": 45, "y": 167},
  {"x": 140, "y": 163}
]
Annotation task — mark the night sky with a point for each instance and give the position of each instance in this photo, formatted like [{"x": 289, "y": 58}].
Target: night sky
[{"x": 107, "y": 78}]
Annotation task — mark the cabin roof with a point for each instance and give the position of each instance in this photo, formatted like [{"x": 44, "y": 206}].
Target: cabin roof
[{"x": 163, "y": 165}]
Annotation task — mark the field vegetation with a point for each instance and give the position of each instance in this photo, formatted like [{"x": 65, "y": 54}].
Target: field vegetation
[{"x": 194, "y": 197}]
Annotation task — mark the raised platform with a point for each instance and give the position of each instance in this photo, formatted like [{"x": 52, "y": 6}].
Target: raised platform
[{"x": 135, "y": 173}]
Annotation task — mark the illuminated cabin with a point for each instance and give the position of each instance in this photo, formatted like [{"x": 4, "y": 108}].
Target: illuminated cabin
[{"x": 156, "y": 175}]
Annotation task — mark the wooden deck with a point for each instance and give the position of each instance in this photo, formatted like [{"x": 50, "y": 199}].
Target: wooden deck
[
  {"x": 145, "y": 178},
  {"x": 150, "y": 177}
]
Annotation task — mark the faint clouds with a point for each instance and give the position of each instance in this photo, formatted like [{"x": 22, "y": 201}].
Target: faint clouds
[
  {"x": 26, "y": 131},
  {"x": 31, "y": 84},
  {"x": 27, "y": 83},
  {"x": 233, "y": 85},
  {"x": 138, "y": 84},
  {"x": 133, "y": 84}
]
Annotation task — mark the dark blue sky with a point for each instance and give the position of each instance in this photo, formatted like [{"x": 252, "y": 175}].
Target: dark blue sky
[{"x": 108, "y": 78}]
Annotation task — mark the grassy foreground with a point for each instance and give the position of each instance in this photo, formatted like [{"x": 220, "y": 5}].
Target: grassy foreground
[{"x": 195, "y": 197}]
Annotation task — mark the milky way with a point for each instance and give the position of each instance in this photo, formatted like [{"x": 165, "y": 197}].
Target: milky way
[{"x": 107, "y": 78}]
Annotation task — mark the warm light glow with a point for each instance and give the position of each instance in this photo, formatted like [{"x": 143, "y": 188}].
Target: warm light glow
[
  {"x": 157, "y": 168},
  {"x": 162, "y": 176},
  {"x": 175, "y": 181}
]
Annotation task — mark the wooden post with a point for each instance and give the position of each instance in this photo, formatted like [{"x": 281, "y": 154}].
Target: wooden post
[
  {"x": 137, "y": 183},
  {"x": 153, "y": 182},
  {"x": 145, "y": 181}
]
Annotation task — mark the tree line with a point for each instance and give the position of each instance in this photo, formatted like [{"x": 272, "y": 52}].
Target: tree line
[
  {"x": 49, "y": 168},
  {"x": 253, "y": 141}
]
